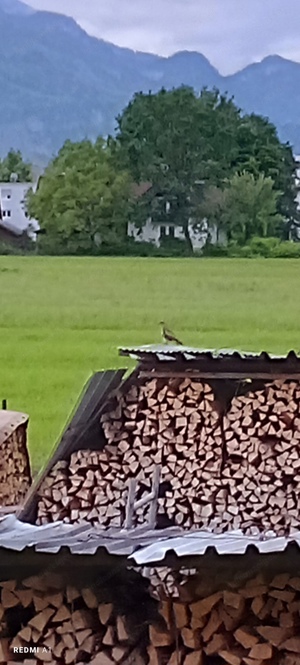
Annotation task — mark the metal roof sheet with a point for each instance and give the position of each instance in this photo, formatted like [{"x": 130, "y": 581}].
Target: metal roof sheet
[
  {"x": 197, "y": 543},
  {"x": 141, "y": 544},
  {"x": 168, "y": 352}
]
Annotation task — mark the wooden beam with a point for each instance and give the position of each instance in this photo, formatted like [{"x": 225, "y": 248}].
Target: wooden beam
[
  {"x": 155, "y": 491},
  {"x": 242, "y": 376},
  {"x": 130, "y": 507},
  {"x": 151, "y": 498}
]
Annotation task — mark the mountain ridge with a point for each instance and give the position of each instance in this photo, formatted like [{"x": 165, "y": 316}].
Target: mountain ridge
[{"x": 59, "y": 82}]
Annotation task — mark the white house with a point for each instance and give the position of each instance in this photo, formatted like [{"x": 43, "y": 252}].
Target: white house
[
  {"x": 155, "y": 232},
  {"x": 294, "y": 233},
  {"x": 13, "y": 214}
]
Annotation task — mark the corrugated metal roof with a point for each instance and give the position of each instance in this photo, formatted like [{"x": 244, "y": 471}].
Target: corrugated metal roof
[
  {"x": 78, "y": 538},
  {"x": 9, "y": 421},
  {"x": 197, "y": 543},
  {"x": 168, "y": 352},
  {"x": 141, "y": 544}
]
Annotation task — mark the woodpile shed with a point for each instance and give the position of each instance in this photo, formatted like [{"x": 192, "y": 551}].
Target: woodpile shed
[{"x": 180, "y": 483}]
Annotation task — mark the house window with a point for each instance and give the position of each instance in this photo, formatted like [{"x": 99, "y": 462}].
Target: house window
[
  {"x": 162, "y": 231},
  {"x": 6, "y": 213},
  {"x": 171, "y": 231}
]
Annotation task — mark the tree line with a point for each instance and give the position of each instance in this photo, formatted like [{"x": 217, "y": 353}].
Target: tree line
[{"x": 204, "y": 158}]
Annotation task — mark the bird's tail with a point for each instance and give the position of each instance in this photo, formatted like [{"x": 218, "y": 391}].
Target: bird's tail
[{"x": 178, "y": 341}]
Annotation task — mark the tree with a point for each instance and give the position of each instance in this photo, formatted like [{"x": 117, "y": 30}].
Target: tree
[
  {"x": 13, "y": 163},
  {"x": 170, "y": 139},
  {"x": 249, "y": 208},
  {"x": 212, "y": 209},
  {"x": 262, "y": 152},
  {"x": 186, "y": 143},
  {"x": 82, "y": 200}
]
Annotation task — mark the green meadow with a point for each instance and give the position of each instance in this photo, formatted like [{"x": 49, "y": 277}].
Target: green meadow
[{"x": 61, "y": 319}]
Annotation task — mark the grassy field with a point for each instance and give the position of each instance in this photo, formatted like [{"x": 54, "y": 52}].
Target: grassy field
[{"x": 63, "y": 318}]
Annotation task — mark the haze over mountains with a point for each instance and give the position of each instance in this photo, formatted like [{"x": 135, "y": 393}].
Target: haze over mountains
[{"x": 58, "y": 82}]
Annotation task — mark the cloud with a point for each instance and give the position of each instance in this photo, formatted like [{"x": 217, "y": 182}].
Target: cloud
[{"x": 231, "y": 33}]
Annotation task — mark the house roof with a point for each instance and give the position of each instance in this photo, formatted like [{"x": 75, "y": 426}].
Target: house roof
[{"x": 139, "y": 189}]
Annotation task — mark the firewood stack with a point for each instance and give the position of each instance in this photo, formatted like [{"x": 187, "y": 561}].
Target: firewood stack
[
  {"x": 89, "y": 488},
  {"x": 15, "y": 477},
  {"x": 262, "y": 433},
  {"x": 165, "y": 582},
  {"x": 222, "y": 467},
  {"x": 255, "y": 625},
  {"x": 66, "y": 625}
]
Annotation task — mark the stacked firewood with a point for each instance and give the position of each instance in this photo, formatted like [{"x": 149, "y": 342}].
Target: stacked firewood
[
  {"x": 258, "y": 624},
  {"x": 144, "y": 428},
  {"x": 88, "y": 488},
  {"x": 62, "y": 625},
  {"x": 222, "y": 467},
  {"x": 262, "y": 473},
  {"x": 164, "y": 581},
  {"x": 15, "y": 478}
]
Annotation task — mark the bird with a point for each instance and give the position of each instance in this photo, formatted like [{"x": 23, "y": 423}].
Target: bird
[{"x": 168, "y": 336}]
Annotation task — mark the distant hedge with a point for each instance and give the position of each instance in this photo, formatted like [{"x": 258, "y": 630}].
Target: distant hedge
[{"x": 269, "y": 248}]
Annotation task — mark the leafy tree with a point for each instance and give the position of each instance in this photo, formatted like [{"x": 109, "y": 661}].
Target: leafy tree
[
  {"x": 249, "y": 208},
  {"x": 212, "y": 208},
  {"x": 185, "y": 144},
  {"x": 13, "y": 163},
  {"x": 169, "y": 138},
  {"x": 82, "y": 199},
  {"x": 262, "y": 152}
]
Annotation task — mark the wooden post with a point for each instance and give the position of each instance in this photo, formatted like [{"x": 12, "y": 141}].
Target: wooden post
[
  {"x": 130, "y": 503},
  {"x": 151, "y": 498},
  {"x": 155, "y": 490}
]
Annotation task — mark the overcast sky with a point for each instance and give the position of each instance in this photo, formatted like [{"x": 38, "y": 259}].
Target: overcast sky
[{"x": 231, "y": 33}]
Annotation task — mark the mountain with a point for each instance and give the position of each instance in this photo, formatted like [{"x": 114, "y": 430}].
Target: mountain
[
  {"x": 271, "y": 88},
  {"x": 15, "y": 7},
  {"x": 58, "y": 82}
]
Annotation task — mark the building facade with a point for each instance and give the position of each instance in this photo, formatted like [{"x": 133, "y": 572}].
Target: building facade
[
  {"x": 155, "y": 233},
  {"x": 13, "y": 213}
]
